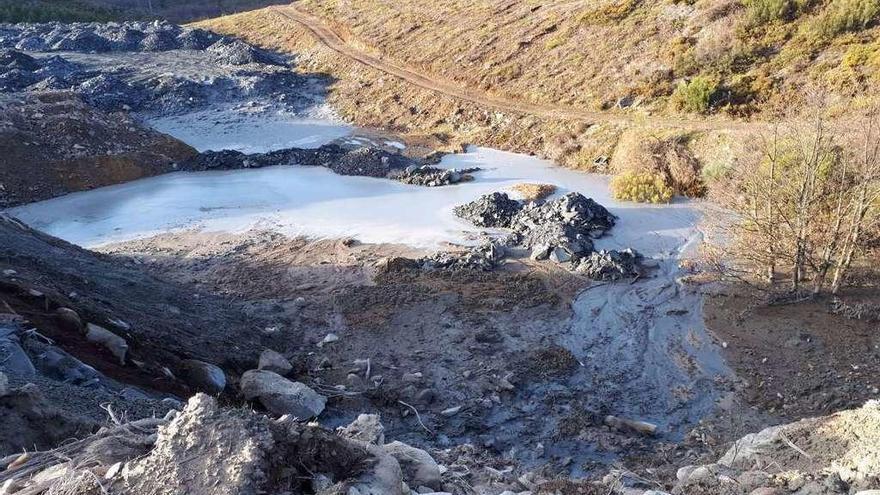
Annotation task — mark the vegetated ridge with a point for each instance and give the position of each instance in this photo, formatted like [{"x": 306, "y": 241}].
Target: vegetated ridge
[{"x": 517, "y": 75}]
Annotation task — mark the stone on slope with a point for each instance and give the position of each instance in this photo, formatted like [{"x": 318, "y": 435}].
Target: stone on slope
[
  {"x": 114, "y": 343},
  {"x": 275, "y": 362},
  {"x": 419, "y": 468},
  {"x": 281, "y": 396},
  {"x": 366, "y": 428},
  {"x": 203, "y": 376}
]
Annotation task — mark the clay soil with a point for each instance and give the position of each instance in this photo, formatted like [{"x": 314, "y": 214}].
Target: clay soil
[{"x": 797, "y": 360}]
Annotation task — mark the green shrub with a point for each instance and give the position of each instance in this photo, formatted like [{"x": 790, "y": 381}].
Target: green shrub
[
  {"x": 695, "y": 95},
  {"x": 842, "y": 16},
  {"x": 644, "y": 187},
  {"x": 764, "y": 11}
]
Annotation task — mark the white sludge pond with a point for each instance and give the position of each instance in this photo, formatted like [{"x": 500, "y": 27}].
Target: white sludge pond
[{"x": 314, "y": 201}]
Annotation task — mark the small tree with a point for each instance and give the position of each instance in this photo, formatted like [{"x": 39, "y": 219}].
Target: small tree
[{"x": 802, "y": 206}]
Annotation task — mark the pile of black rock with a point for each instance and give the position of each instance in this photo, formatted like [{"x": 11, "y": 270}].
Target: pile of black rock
[
  {"x": 94, "y": 37},
  {"x": 561, "y": 230},
  {"x": 343, "y": 160},
  {"x": 429, "y": 176},
  {"x": 37, "y": 57}
]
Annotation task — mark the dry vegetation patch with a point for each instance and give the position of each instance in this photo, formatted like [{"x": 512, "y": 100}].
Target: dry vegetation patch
[{"x": 533, "y": 192}]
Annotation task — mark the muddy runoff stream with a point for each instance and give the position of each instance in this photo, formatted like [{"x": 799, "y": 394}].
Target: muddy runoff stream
[{"x": 641, "y": 345}]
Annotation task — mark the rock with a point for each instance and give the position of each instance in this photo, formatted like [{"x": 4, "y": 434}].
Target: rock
[
  {"x": 280, "y": 395},
  {"x": 570, "y": 221},
  {"x": 684, "y": 472},
  {"x": 426, "y": 396},
  {"x": 610, "y": 265},
  {"x": 329, "y": 339},
  {"x": 766, "y": 490},
  {"x": 701, "y": 474},
  {"x": 366, "y": 428},
  {"x": 203, "y": 376},
  {"x": 412, "y": 377},
  {"x": 481, "y": 258},
  {"x": 4, "y": 384},
  {"x": 452, "y": 411},
  {"x": 69, "y": 320},
  {"x": 418, "y": 467},
  {"x": 432, "y": 176},
  {"x": 560, "y": 229},
  {"x": 560, "y": 255},
  {"x": 109, "y": 340},
  {"x": 641, "y": 427},
  {"x": 275, "y": 362},
  {"x": 14, "y": 359},
  {"x": 540, "y": 252}
]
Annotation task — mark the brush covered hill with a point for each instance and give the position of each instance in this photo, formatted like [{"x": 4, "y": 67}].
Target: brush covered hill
[
  {"x": 659, "y": 65},
  {"x": 740, "y": 56}
]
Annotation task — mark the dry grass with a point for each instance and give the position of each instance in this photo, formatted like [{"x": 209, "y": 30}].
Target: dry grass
[
  {"x": 533, "y": 192},
  {"x": 535, "y": 52}
]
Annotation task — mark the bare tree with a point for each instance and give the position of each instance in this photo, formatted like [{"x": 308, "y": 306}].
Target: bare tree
[{"x": 801, "y": 207}]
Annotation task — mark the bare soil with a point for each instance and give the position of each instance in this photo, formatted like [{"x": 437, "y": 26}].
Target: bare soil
[
  {"x": 482, "y": 341},
  {"x": 797, "y": 360},
  {"x": 53, "y": 144}
]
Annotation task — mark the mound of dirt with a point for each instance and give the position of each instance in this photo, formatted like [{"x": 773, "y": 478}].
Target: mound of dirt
[
  {"x": 206, "y": 449},
  {"x": 829, "y": 455},
  {"x": 162, "y": 323},
  {"x": 54, "y": 144}
]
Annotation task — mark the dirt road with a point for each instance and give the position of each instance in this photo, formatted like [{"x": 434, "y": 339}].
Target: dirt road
[{"x": 332, "y": 40}]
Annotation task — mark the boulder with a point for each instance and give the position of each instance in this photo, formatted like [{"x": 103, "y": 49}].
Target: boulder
[
  {"x": 419, "y": 468},
  {"x": 275, "y": 362},
  {"x": 560, "y": 255},
  {"x": 610, "y": 265},
  {"x": 69, "y": 320},
  {"x": 4, "y": 384},
  {"x": 107, "y": 339},
  {"x": 281, "y": 396},
  {"x": 366, "y": 428},
  {"x": 203, "y": 376}
]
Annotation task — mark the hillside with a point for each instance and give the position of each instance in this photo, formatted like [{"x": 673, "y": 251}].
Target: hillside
[{"x": 651, "y": 70}]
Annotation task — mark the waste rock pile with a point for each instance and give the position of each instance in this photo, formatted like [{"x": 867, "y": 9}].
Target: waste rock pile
[
  {"x": 561, "y": 230},
  {"x": 134, "y": 66},
  {"x": 426, "y": 175}
]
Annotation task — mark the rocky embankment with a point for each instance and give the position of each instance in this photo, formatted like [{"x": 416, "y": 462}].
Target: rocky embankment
[
  {"x": 204, "y": 448},
  {"x": 155, "y": 67},
  {"x": 53, "y": 143}
]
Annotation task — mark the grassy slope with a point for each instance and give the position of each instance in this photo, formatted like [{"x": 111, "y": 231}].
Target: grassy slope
[
  {"x": 584, "y": 53},
  {"x": 590, "y": 53}
]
